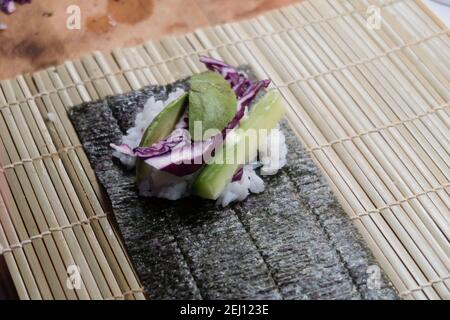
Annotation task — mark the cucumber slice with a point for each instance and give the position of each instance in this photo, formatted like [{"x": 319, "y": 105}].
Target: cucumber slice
[
  {"x": 160, "y": 128},
  {"x": 264, "y": 115}
]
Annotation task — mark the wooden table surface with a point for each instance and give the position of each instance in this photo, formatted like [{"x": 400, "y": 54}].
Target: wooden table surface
[{"x": 37, "y": 36}]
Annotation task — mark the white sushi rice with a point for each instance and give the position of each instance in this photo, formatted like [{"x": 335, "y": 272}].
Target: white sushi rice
[
  {"x": 240, "y": 190},
  {"x": 272, "y": 154},
  {"x": 52, "y": 116}
]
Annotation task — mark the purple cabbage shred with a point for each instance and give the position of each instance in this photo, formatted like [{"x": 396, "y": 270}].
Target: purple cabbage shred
[
  {"x": 8, "y": 6},
  {"x": 157, "y": 149},
  {"x": 238, "y": 175}
]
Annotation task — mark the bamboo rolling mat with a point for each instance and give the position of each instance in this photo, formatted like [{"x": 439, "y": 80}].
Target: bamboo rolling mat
[{"x": 371, "y": 106}]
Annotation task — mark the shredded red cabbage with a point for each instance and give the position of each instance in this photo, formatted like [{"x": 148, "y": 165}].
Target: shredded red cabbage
[
  {"x": 8, "y": 6},
  {"x": 238, "y": 175},
  {"x": 157, "y": 149},
  {"x": 185, "y": 160},
  {"x": 177, "y": 154}
]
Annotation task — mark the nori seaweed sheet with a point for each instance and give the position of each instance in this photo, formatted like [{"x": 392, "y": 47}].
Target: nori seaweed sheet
[{"x": 293, "y": 241}]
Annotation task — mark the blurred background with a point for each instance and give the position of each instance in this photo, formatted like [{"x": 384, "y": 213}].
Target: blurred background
[{"x": 36, "y": 35}]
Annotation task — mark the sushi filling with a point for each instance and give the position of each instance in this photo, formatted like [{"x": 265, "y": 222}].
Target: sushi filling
[
  {"x": 170, "y": 166},
  {"x": 143, "y": 119}
]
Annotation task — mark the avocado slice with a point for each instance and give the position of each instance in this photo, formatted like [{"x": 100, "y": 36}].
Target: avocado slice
[
  {"x": 161, "y": 127},
  {"x": 213, "y": 102},
  {"x": 213, "y": 179}
]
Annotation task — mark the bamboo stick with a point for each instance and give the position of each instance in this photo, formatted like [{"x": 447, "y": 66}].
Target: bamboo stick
[
  {"x": 416, "y": 28},
  {"x": 68, "y": 159},
  {"x": 436, "y": 159},
  {"x": 415, "y": 80},
  {"x": 138, "y": 64},
  {"x": 422, "y": 28},
  {"x": 429, "y": 163},
  {"x": 105, "y": 234},
  {"x": 416, "y": 132},
  {"x": 43, "y": 170},
  {"x": 165, "y": 69},
  {"x": 151, "y": 70},
  {"x": 16, "y": 262},
  {"x": 46, "y": 188},
  {"x": 27, "y": 228},
  {"x": 112, "y": 72},
  {"x": 128, "y": 279},
  {"x": 73, "y": 211},
  {"x": 84, "y": 84},
  {"x": 425, "y": 9},
  {"x": 66, "y": 98},
  {"x": 316, "y": 3},
  {"x": 123, "y": 64},
  {"x": 113, "y": 64},
  {"x": 417, "y": 55},
  {"x": 371, "y": 45},
  {"x": 413, "y": 128}
]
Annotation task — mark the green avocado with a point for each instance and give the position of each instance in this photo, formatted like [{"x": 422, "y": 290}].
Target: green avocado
[
  {"x": 213, "y": 102},
  {"x": 165, "y": 122},
  {"x": 161, "y": 127}
]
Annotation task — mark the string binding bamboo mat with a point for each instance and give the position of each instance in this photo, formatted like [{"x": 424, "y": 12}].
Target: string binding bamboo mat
[{"x": 371, "y": 106}]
